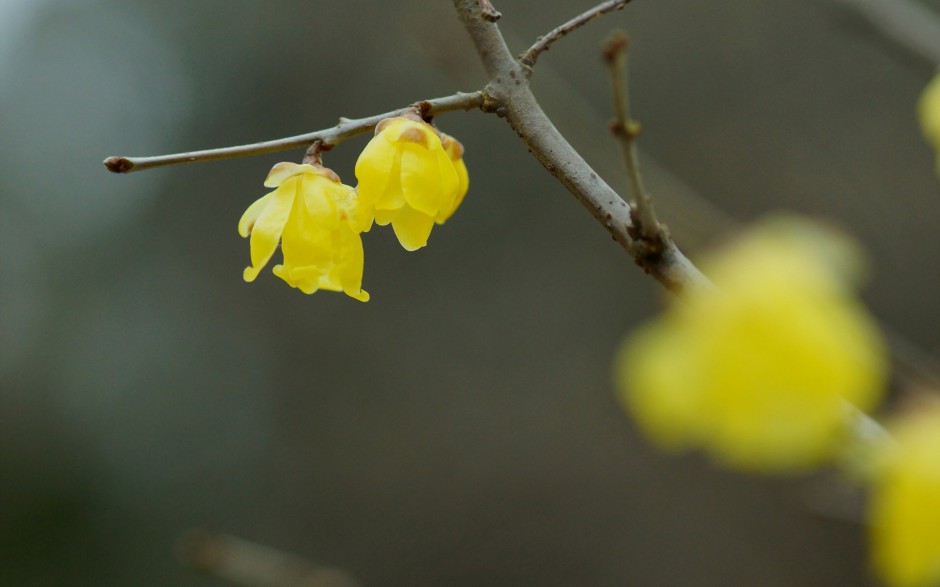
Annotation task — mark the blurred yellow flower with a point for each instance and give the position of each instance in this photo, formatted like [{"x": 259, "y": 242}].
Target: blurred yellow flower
[
  {"x": 408, "y": 179},
  {"x": 929, "y": 111},
  {"x": 905, "y": 503},
  {"x": 317, "y": 220},
  {"x": 758, "y": 373}
]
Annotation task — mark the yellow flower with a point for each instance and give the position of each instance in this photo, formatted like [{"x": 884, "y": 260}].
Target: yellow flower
[
  {"x": 408, "y": 179},
  {"x": 904, "y": 510},
  {"x": 929, "y": 111},
  {"x": 454, "y": 150},
  {"x": 757, "y": 373},
  {"x": 317, "y": 220}
]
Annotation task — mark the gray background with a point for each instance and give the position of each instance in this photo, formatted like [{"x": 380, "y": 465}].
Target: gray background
[{"x": 460, "y": 428}]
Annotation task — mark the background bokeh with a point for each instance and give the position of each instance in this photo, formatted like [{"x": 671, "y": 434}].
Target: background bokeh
[{"x": 460, "y": 428}]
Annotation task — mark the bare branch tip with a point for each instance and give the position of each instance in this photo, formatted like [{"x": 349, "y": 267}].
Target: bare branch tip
[
  {"x": 118, "y": 164},
  {"x": 616, "y": 44}
]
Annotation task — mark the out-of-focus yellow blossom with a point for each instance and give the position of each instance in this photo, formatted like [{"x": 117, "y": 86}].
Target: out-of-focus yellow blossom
[
  {"x": 408, "y": 179},
  {"x": 929, "y": 111},
  {"x": 757, "y": 373},
  {"x": 905, "y": 502},
  {"x": 318, "y": 222}
]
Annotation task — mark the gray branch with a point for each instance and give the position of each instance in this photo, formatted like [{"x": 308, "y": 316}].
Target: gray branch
[
  {"x": 511, "y": 97},
  {"x": 328, "y": 138}
]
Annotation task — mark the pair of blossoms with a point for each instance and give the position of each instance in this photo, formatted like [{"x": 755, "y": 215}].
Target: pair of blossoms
[
  {"x": 766, "y": 372},
  {"x": 410, "y": 176}
]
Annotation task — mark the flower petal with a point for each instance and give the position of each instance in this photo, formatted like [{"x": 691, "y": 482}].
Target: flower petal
[
  {"x": 421, "y": 179},
  {"x": 319, "y": 194},
  {"x": 284, "y": 170},
  {"x": 351, "y": 264},
  {"x": 268, "y": 228},
  {"x": 248, "y": 219},
  {"x": 450, "y": 187},
  {"x": 412, "y": 228},
  {"x": 374, "y": 169}
]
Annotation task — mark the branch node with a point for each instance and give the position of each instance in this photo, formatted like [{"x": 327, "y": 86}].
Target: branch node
[
  {"x": 490, "y": 104},
  {"x": 423, "y": 108},
  {"x": 313, "y": 155},
  {"x": 488, "y": 12}
]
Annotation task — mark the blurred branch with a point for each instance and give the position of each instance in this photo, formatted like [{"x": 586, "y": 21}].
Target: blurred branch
[
  {"x": 511, "y": 97},
  {"x": 626, "y": 130},
  {"x": 543, "y": 43},
  {"x": 253, "y": 565},
  {"x": 328, "y": 138},
  {"x": 907, "y": 23}
]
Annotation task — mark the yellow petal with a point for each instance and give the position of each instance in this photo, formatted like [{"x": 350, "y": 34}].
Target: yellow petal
[
  {"x": 350, "y": 265},
  {"x": 392, "y": 198},
  {"x": 374, "y": 169},
  {"x": 319, "y": 199},
  {"x": 450, "y": 184},
  {"x": 250, "y": 216},
  {"x": 268, "y": 228},
  {"x": 421, "y": 180},
  {"x": 394, "y": 128},
  {"x": 412, "y": 228},
  {"x": 383, "y": 217},
  {"x": 284, "y": 170},
  {"x": 463, "y": 183}
]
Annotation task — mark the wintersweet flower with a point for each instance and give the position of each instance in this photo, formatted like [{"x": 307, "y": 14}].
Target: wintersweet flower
[
  {"x": 904, "y": 509},
  {"x": 454, "y": 150},
  {"x": 929, "y": 111},
  {"x": 318, "y": 222},
  {"x": 408, "y": 179},
  {"x": 758, "y": 372}
]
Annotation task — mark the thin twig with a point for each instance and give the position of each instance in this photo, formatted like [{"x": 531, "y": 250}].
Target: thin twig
[
  {"x": 542, "y": 44},
  {"x": 328, "y": 137},
  {"x": 909, "y": 24},
  {"x": 510, "y": 91},
  {"x": 626, "y": 130},
  {"x": 254, "y": 565}
]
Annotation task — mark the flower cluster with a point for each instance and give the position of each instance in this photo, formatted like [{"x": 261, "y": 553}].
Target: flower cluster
[
  {"x": 905, "y": 502},
  {"x": 929, "y": 111},
  {"x": 758, "y": 373},
  {"x": 410, "y": 176}
]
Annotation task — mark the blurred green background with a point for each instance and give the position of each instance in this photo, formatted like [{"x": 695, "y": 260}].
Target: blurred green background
[{"x": 460, "y": 428}]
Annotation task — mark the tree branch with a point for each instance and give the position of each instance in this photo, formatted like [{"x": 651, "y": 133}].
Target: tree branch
[
  {"x": 254, "y": 565},
  {"x": 488, "y": 12},
  {"x": 543, "y": 43},
  {"x": 512, "y": 98},
  {"x": 328, "y": 138},
  {"x": 626, "y": 130}
]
